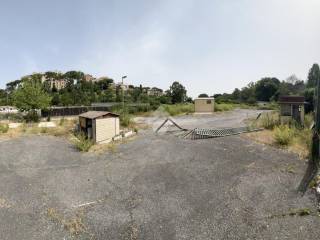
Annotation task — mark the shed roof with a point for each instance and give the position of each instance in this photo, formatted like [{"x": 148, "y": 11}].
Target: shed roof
[
  {"x": 204, "y": 98},
  {"x": 291, "y": 99},
  {"x": 97, "y": 114}
]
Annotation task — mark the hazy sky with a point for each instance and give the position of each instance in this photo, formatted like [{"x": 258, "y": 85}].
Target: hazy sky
[{"x": 209, "y": 46}]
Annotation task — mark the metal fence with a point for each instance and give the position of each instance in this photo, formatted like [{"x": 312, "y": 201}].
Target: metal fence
[
  {"x": 76, "y": 110},
  {"x": 70, "y": 111}
]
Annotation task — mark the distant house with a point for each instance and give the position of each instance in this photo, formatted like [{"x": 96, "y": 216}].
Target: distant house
[
  {"x": 88, "y": 78},
  {"x": 292, "y": 108},
  {"x": 99, "y": 126},
  {"x": 155, "y": 92},
  {"x": 57, "y": 83},
  {"x": 204, "y": 105}
]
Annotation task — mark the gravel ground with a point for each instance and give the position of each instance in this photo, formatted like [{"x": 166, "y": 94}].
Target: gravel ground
[{"x": 155, "y": 187}]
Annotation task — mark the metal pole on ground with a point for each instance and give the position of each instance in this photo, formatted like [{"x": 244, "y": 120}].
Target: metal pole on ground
[{"x": 122, "y": 86}]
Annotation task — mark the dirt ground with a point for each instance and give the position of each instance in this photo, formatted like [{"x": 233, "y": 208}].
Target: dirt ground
[{"x": 155, "y": 187}]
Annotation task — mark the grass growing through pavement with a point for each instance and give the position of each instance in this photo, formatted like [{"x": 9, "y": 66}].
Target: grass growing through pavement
[{"x": 73, "y": 225}]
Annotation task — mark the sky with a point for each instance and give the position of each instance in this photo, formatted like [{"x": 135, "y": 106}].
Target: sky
[{"x": 209, "y": 46}]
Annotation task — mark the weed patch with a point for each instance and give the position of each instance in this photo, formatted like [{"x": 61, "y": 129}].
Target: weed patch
[
  {"x": 73, "y": 225},
  {"x": 283, "y": 135},
  {"x": 82, "y": 143}
]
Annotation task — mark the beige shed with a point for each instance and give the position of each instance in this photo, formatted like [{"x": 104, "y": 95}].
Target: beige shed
[
  {"x": 99, "y": 126},
  {"x": 292, "y": 108},
  {"x": 204, "y": 105}
]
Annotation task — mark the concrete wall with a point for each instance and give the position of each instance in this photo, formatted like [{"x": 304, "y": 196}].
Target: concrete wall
[
  {"x": 203, "y": 106},
  {"x": 106, "y": 129}
]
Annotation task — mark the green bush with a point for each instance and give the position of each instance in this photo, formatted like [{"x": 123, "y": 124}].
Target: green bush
[
  {"x": 221, "y": 107},
  {"x": 4, "y": 128},
  {"x": 82, "y": 143},
  {"x": 283, "y": 135}
]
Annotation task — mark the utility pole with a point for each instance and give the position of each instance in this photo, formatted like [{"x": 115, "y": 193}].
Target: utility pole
[
  {"x": 122, "y": 86},
  {"x": 314, "y": 161}
]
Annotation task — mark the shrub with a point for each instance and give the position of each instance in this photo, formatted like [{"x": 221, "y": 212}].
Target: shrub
[
  {"x": 4, "y": 128},
  {"x": 283, "y": 135},
  {"x": 221, "y": 107},
  {"x": 82, "y": 143}
]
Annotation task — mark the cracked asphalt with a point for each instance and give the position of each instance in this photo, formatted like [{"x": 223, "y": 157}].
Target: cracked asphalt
[{"x": 154, "y": 187}]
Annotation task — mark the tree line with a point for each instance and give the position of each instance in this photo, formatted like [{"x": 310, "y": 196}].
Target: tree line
[
  {"x": 270, "y": 88},
  {"x": 33, "y": 92}
]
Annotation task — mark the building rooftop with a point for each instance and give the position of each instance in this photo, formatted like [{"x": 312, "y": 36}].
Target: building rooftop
[
  {"x": 97, "y": 114},
  {"x": 291, "y": 99},
  {"x": 204, "y": 98}
]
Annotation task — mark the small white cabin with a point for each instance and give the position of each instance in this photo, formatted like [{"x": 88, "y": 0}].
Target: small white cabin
[{"x": 99, "y": 126}]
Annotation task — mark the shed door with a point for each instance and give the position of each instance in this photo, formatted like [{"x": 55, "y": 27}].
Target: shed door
[{"x": 296, "y": 113}]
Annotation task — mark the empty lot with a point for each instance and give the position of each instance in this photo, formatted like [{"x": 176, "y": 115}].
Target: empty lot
[{"x": 155, "y": 187}]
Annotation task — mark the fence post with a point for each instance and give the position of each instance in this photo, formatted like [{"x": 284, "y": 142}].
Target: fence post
[{"x": 313, "y": 164}]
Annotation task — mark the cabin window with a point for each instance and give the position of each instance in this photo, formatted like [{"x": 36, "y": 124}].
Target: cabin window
[{"x": 208, "y": 101}]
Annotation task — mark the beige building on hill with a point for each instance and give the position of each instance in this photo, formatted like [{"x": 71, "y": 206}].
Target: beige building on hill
[{"x": 204, "y": 105}]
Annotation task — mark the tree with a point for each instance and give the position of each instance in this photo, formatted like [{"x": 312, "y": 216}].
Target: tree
[
  {"x": 248, "y": 93},
  {"x": 236, "y": 95},
  {"x": 314, "y": 74},
  {"x": 30, "y": 96},
  {"x": 203, "y": 95},
  {"x": 177, "y": 92},
  {"x": 3, "y": 97},
  {"x": 266, "y": 88}
]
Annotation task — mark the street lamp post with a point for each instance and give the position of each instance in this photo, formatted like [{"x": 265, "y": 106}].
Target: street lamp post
[{"x": 122, "y": 86}]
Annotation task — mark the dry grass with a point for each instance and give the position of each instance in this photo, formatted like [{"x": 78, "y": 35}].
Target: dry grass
[
  {"x": 73, "y": 225},
  {"x": 110, "y": 147},
  {"x": 299, "y": 144},
  {"x": 4, "y": 203},
  {"x": 63, "y": 128}
]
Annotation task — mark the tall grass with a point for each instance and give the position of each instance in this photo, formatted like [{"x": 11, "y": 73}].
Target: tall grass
[
  {"x": 178, "y": 109},
  {"x": 283, "y": 135},
  {"x": 221, "y": 107},
  {"x": 308, "y": 120},
  {"x": 126, "y": 120},
  {"x": 82, "y": 143},
  {"x": 269, "y": 120}
]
